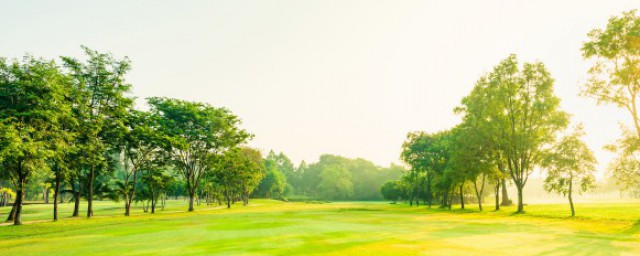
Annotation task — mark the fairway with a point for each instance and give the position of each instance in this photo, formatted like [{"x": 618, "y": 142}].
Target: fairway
[{"x": 342, "y": 228}]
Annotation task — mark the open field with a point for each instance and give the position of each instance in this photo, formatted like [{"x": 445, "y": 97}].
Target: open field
[{"x": 348, "y": 228}]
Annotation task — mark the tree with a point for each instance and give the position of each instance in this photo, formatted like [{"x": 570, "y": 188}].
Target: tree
[
  {"x": 520, "y": 109},
  {"x": 615, "y": 79},
  {"x": 31, "y": 101},
  {"x": 478, "y": 110},
  {"x": 570, "y": 162},
  {"x": 196, "y": 135},
  {"x": 240, "y": 170},
  {"x": 472, "y": 158},
  {"x": 429, "y": 154},
  {"x": 139, "y": 150},
  {"x": 392, "y": 190},
  {"x": 100, "y": 107},
  {"x": 335, "y": 183},
  {"x": 273, "y": 182}
]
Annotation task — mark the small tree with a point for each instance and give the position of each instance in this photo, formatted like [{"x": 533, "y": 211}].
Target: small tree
[
  {"x": 392, "y": 190},
  {"x": 570, "y": 163}
]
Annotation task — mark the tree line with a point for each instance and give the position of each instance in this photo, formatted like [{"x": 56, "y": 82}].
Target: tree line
[
  {"x": 71, "y": 129},
  {"x": 74, "y": 125},
  {"x": 512, "y": 124}
]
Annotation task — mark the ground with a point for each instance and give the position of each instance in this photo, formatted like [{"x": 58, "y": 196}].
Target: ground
[{"x": 269, "y": 227}]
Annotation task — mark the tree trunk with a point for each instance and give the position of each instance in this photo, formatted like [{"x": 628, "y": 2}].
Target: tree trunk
[
  {"x": 76, "y": 206},
  {"x": 56, "y": 194},
  {"x": 520, "y": 203},
  {"x": 497, "y": 192},
  {"x": 227, "y": 194},
  {"x": 429, "y": 195},
  {"x": 164, "y": 200},
  {"x": 573, "y": 211},
  {"x": 505, "y": 195},
  {"x": 191, "y": 198},
  {"x": 130, "y": 195},
  {"x": 451, "y": 197},
  {"x": 90, "y": 197},
  {"x": 17, "y": 220},
  {"x": 12, "y": 213},
  {"x": 462, "y": 196},
  {"x": 153, "y": 199},
  {"x": 45, "y": 195},
  {"x": 413, "y": 189},
  {"x": 481, "y": 191}
]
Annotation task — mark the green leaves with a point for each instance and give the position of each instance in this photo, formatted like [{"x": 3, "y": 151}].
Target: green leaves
[
  {"x": 615, "y": 79},
  {"x": 569, "y": 161},
  {"x": 195, "y": 135}
]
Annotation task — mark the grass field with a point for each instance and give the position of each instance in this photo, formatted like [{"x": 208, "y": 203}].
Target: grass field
[{"x": 350, "y": 228}]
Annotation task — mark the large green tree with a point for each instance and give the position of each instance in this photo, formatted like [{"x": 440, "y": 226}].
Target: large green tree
[
  {"x": 32, "y": 100},
  {"x": 239, "y": 171},
  {"x": 516, "y": 109},
  {"x": 196, "y": 135},
  {"x": 614, "y": 53},
  {"x": 101, "y": 105},
  {"x": 139, "y": 150},
  {"x": 429, "y": 154}
]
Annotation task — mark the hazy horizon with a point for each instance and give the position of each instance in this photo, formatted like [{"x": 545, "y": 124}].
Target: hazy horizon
[{"x": 341, "y": 77}]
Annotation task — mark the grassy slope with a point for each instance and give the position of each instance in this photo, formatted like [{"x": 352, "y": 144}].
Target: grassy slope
[{"x": 270, "y": 227}]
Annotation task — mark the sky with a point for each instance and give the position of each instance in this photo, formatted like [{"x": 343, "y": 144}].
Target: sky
[{"x": 312, "y": 77}]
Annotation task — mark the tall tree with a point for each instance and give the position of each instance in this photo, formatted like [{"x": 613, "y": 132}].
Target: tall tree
[
  {"x": 570, "y": 163},
  {"x": 139, "y": 149},
  {"x": 478, "y": 109},
  {"x": 614, "y": 53},
  {"x": 520, "y": 108},
  {"x": 31, "y": 101},
  {"x": 196, "y": 135},
  {"x": 100, "y": 108}
]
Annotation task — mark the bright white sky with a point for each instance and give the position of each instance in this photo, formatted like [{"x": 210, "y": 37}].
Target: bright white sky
[{"x": 313, "y": 77}]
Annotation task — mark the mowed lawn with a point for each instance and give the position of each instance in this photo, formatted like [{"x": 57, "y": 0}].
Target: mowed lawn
[{"x": 350, "y": 228}]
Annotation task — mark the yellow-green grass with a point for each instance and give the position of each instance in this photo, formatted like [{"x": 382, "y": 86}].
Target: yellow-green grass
[{"x": 349, "y": 228}]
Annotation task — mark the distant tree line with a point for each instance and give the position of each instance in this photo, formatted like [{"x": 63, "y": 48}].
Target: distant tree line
[{"x": 331, "y": 178}]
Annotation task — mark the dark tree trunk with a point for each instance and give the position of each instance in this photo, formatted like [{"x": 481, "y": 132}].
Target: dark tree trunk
[
  {"x": 153, "y": 199},
  {"x": 413, "y": 189},
  {"x": 462, "y": 196},
  {"x": 76, "y": 205},
  {"x": 77, "y": 192},
  {"x": 451, "y": 197},
  {"x": 573, "y": 211},
  {"x": 497, "y": 192},
  {"x": 56, "y": 194},
  {"x": 12, "y": 213},
  {"x": 17, "y": 220},
  {"x": 429, "y": 195},
  {"x": 130, "y": 195},
  {"x": 191, "y": 198},
  {"x": 228, "y": 196},
  {"x": 90, "y": 197}
]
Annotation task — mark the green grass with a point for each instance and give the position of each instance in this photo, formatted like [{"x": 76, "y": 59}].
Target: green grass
[{"x": 348, "y": 228}]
